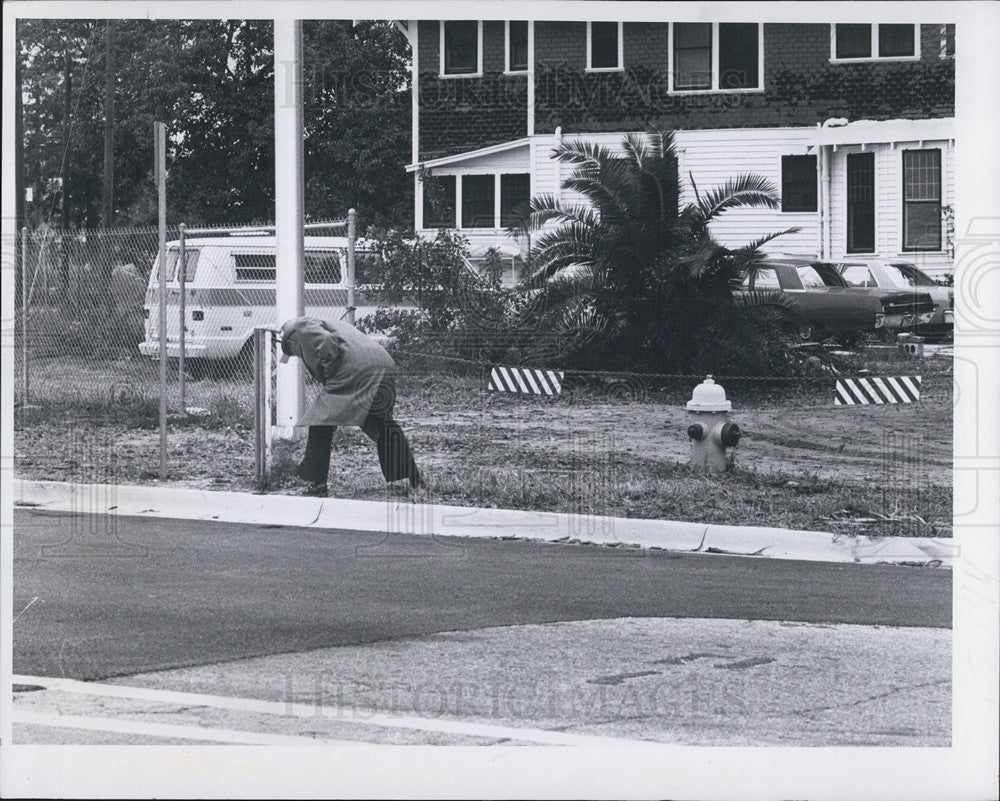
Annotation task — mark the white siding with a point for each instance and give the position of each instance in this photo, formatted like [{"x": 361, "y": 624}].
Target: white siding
[
  {"x": 889, "y": 201},
  {"x": 714, "y": 156}
]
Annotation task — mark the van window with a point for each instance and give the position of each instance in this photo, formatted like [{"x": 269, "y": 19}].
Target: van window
[
  {"x": 254, "y": 266},
  {"x": 190, "y": 262},
  {"x": 322, "y": 268}
]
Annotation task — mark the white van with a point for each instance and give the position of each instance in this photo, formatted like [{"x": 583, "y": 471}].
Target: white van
[{"x": 230, "y": 290}]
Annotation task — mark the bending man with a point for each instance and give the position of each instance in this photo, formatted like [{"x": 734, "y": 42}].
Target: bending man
[{"x": 358, "y": 389}]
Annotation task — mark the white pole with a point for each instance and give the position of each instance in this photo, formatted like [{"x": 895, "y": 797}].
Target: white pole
[
  {"x": 160, "y": 148},
  {"x": 182, "y": 279},
  {"x": 289, "y": 208},
  {"x": 352, "y": 236},
  {"x": 24, "y": 316}
]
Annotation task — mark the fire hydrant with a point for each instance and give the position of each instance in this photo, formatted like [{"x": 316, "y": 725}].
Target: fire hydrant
[{"x": 710, "y": 430}]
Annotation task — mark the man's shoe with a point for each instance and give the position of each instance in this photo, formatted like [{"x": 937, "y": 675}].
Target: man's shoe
[{"x": 316, "y": 490}]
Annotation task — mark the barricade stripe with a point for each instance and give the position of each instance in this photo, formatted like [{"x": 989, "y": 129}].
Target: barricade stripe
[
  {"x": 531, "y": 382},
  {"x": 898, "y": 388},
  {"x": 869, "y": 388},
  {"x": 508, "y": 380},
  {"x": 525, "y": 380},
  {"x": 520, "y": 379},
  {"x": 543, "y": 382},
  {"x": 888, "y": 394},
  {"x": 843, "y": 396},
  {"x": 909, "y": 384},
  {"x": 540, "y": 379},
  {"x": 856, "y": 394}
]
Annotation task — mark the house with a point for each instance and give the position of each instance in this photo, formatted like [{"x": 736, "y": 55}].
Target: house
[{"x": 853, "y": 123}]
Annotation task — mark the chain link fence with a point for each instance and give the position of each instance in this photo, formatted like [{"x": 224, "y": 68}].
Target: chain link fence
[{"x": 88, "y": 394}]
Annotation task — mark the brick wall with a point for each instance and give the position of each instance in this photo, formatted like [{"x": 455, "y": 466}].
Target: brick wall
[
  {"x": 459, "y": 114},
  {"x": 801, "y": 86}
]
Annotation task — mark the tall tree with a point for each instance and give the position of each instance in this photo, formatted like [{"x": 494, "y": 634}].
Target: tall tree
[{"x": 211, "y": 81}]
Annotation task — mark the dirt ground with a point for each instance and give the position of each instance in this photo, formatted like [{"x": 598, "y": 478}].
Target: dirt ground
[{"x": 802, "y": 462}]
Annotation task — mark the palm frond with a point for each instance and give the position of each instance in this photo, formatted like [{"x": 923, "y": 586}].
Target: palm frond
[
  {"x": 583, "y": 154},
  {"x": 758, "y": 243},
  {"x": 636, "y": 149},
  {"x": 744, "y": 190}
]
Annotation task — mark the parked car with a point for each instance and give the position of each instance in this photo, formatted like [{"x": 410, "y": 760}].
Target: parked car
[
  {"x": 826, "y": 305},
  {"x": 904, "y": 275}
]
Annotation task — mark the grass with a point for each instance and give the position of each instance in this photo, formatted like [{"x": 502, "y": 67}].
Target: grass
[{"x": 802, "y": 463}]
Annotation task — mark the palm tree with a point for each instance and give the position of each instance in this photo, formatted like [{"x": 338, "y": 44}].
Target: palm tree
[{"x": 634, "y": 280}]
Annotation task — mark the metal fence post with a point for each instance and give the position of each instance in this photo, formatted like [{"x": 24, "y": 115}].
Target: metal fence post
[
  {"x": 352, "y": 236},
  {"x": 182, "y": 277},
  {"x": 160, "y": 147},
  {"x": 262, "y": 352},
  {"x": 24, "y": 316}
]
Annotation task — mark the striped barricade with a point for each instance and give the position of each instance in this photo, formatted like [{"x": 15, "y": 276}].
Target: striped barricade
[
  {"x": 872, "y": 390},
  {"x": 526, "y": 380}
]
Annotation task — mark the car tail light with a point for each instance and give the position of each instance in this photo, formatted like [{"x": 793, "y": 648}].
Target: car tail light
[{"x": 197, "y": 315}]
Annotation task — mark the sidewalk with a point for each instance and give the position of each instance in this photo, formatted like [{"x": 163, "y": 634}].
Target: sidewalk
[{"x": 435, "y": 520}]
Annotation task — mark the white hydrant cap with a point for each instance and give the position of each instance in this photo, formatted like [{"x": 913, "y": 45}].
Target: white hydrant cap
[{"x": 709, "y": 397}]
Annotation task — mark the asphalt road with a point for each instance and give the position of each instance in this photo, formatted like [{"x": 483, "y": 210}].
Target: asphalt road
[{"x": 96, "y": 597}]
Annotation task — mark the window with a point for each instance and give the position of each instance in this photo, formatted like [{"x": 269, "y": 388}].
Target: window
[
  {"x": 921, "y": 200},
  {"x": 858, "y": 275},
  {"x": 810, "y": 277},
  {"x": 874, "y": 41},
  {"x": 254, "y": 266},
  {"x": 798, "y": 183},
  {"x": 461, "y": 47},
  {"x": 896, "y": 41},
  {"x": 904, "y": 275},
  {"x": 860, "y": 202},
  {"x": 693, "y": 55},
  {"x": 190, "y": 264},
  {"x": 715, "y": 56},
  {"x": 517, "y": 46},
  {"x": 738, "y": 45},
  {"x": 323, "y": 268},
  {"x": 515, "y": 189},
  {"x": 763, "y": 278},
  {"x": 604, "y": 45},
  {"x": 439, "y": 201},
  {"x": 478, "y": 209}
]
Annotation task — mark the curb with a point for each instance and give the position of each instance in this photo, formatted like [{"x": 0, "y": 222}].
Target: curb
[{"x": 395, "y": 517}]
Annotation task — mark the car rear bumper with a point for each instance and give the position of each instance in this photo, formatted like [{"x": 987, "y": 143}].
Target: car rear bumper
[{"x": 902, "y": 320}]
